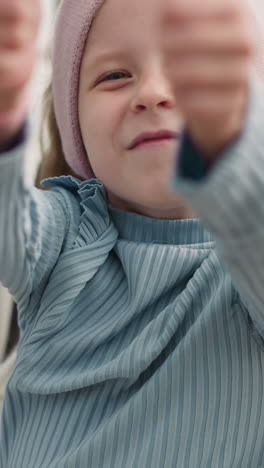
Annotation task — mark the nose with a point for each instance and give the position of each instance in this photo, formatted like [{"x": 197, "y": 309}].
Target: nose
[{"x": 153, "y": 92}]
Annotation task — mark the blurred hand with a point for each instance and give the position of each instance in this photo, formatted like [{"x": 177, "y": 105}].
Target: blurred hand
[
  {"x": 211, "y": 51},
  {"x": 19, "y": 25}
]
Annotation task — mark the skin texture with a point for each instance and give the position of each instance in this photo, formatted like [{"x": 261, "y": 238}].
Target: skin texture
[{"x": 152, "y": 65}]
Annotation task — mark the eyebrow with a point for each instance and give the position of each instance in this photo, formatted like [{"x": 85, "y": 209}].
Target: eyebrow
[{"x": 105, "y": 55}]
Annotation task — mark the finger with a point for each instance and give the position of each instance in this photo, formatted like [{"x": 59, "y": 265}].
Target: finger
[
  {"x": 210, "y": 105},
  {"x": 16, "y": 69},
  {"x": 9, "y": 100},
  {"x": 210, "y": 71},
  {"x": 18, "y": 20},
  {"x": 212, "y": 38},
  {"x": 12, "y": 12},
  {"x": 19, "y": 39},
  {"x": 182, "y": 11}
]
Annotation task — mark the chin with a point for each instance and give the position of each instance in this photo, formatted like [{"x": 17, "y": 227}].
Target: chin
[{"x": 159, "y": 201}]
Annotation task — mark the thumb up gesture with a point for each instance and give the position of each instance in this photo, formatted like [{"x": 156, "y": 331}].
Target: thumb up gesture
[
  {"x": 19, "y": 24},
  {"x": 211, "y": 50}
]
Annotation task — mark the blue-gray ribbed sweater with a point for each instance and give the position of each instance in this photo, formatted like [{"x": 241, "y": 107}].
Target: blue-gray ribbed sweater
[{"x": 141, "y": 340}]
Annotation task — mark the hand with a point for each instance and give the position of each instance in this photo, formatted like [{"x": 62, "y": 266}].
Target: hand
[
  {"x": 211, "y": 50},
  {"x": 19, "y": 24}
]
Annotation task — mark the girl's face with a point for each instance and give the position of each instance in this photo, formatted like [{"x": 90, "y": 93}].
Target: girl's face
[{"x": 126, "y": 92}]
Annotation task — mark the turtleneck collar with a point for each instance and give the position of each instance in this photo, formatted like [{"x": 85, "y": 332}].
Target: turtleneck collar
[{"x": 139, "y": 228}]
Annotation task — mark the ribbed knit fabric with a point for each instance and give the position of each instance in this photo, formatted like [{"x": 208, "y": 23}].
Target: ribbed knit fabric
[{"x": 138, "y": 347}]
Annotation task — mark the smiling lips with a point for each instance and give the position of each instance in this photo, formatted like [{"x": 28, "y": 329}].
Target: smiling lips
[{"x": 152, "y": 137}]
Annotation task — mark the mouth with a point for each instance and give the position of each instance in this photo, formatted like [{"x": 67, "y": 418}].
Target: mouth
[{"x": 159, "y": 138}]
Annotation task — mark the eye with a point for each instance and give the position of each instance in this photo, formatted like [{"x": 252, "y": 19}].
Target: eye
[{"x": 114, "y": 76}]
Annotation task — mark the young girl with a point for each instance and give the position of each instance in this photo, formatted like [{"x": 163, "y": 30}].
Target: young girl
[{"x": 141, "y": 344}]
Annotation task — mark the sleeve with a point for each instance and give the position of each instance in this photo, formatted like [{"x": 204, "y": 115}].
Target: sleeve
[
  {"x": 32, "y": 229},
  {"x": 18, "y": 139},
  {"x": 229, "y": 199}
]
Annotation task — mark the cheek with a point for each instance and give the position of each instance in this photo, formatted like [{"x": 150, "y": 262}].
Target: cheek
[
  {"x": 91, "y": 124},
  {"x": 102, "y": 122},
  {"x": 96, "y": 128},
  {"x": 97, "y": 124}
]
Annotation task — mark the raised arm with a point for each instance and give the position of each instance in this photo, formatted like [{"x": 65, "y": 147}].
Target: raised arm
[
  {"x": 33, "y": 223},
  {"x": 213, "y": 50},
  {"x": 229, "y": 199}
]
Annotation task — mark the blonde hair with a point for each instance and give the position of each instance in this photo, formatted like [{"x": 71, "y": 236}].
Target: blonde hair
[{"x": 53, "y": 163}]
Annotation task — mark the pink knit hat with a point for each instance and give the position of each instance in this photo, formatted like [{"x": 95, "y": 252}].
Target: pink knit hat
[{"x": 72, "y": 27}]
